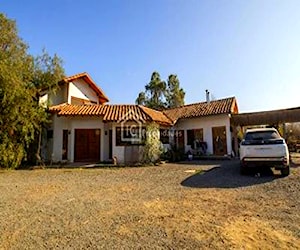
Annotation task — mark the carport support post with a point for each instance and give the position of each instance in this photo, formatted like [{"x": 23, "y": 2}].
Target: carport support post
[
  {"x": 284, "y": 130},
  {"x": 235, "y": 141}
]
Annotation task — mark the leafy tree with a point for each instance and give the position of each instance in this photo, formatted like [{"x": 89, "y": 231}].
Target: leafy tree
[
  {"x": 47, "y": 72},
  {"x": 154, "y": 95},
  {"x": 22, "y": 79},
  {"x": 159, "y": 95},
  {"x": 175, "y": 94}
]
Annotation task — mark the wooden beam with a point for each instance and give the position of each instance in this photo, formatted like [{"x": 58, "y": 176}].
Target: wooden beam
[{"x": 266, "y": 117}]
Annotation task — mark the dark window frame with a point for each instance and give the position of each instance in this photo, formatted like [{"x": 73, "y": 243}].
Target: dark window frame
[
  {"x": 191, "y": 136},
  {"x": 164, "y": 136},
  {"x": 126, "y": 135}
]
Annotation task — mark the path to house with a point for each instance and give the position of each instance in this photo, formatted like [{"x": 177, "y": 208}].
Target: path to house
[{"x": 168, "y": 207}]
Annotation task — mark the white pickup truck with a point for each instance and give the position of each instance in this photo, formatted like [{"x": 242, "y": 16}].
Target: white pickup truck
[{"x": 264, "y": 147}]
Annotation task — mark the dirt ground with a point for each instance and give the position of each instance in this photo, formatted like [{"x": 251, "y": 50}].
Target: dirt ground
[{"x": 172, "y": 206}]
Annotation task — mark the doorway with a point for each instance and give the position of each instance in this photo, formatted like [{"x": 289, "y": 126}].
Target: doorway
[
  {"x": 219, "y": 140},
  {"x": 87, "y": 145}
]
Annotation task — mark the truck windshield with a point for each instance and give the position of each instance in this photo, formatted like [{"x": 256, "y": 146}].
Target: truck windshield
[{"x": 262, "y": 135}]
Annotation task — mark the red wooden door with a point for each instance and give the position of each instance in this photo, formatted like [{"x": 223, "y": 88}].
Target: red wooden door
[{"x": 87, "y": 145}]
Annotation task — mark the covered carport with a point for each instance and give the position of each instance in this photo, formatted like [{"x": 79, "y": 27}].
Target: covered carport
[{"x": 269, "y": 118}]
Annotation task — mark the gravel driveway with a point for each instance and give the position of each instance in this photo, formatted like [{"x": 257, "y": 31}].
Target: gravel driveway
[{"x": 173, "y": 206}]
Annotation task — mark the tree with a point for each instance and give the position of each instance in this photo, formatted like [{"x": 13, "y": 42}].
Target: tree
[
  {"x": 159, "y": 95},
  {"x": 154, "y": 95},
  {"x": 174, "y": 95},
  {"x": 22, "y": 79},
  {"x": 141, "y": 99}
]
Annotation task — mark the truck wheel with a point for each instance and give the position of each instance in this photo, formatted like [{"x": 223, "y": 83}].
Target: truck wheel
[{"x": 285, "y": 171}]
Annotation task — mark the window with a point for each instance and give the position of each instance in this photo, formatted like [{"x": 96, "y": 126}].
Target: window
[
  {"x": 127, "y": 136},
  {"x": 194, "y": 135},
  {"x": 164, "y": 136},
  {"x": 190, "y": 137},
  {"x": 262, "y": 135}
]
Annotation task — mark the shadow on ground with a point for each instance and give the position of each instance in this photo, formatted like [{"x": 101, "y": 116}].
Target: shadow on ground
[{"x": 227, "y": 175}]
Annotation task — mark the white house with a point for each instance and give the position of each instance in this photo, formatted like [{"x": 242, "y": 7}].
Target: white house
[
  {"x": 85, "y": 128},
  {"x": 205, "y": 126}
]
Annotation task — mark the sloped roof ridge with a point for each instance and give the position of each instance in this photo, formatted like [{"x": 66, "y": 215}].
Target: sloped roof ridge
[
  {"x": 127, "y": 105},
  {"x": 142, "y": 108},
  {"x": 93, "y": 85},
  {"x": 162, "y": 115},
  {"x": 75, "y": 76},
  {"x": 111, "y": 112},
  {"x": 220, "y": 106},
  {"x": 203, "y": 102}
]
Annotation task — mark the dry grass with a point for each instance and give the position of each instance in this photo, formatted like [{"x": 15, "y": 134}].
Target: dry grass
[{"x": 163, "y": 207}]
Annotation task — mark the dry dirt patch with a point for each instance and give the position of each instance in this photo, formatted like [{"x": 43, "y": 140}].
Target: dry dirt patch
[{"x": 167, "y": 207}]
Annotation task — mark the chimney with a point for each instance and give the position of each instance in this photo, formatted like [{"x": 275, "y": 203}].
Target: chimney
[{"x": 207, "y": 96}]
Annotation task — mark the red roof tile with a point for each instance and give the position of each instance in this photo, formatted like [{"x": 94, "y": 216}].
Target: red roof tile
[
  {"x": 222, "y": 106},
  {"x": 110, "y": 113},
  {"x": 156, "y": 115},
  {"x": 119, "y": 113}
]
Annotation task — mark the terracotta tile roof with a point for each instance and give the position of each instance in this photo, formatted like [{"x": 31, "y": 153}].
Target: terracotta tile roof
[
  {"x": 119, "y": 113},
  {"x": 86, "y": 77},
  {"x": 110, "y": 113},
  {"x": 156, "y": 115},
  {"x": 222, "y": 106}
]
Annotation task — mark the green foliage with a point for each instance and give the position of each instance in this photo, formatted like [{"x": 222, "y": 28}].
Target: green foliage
[
  {"x": 159, "y": 95},
  {"x": 152, "y": 148},
  {"x": 154, "y": 95},
  {"x": 47, "y": 72},
  {"x": 141, "y": 99},
  {"x": 22, "y": 79},
  {"x": 175, "y": 95}
]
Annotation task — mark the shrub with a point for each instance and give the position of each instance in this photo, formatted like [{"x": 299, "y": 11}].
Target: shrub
[{"x": 152, "y": 148}]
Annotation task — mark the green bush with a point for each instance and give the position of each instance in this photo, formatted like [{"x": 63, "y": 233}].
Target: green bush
[{"x": 152, "y": 148}]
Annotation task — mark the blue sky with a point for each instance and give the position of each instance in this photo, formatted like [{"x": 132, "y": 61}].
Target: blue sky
[{"x": 248, "y": 49}]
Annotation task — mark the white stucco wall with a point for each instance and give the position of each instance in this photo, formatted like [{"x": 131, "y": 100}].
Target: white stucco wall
[
  {"x": 118, "y": 151},
  {"x": 80, "y": 89},
  {"x": 72, "y": 123},
  {"x": 206, "y": 123},
  {"x": 59, "y": 124},
  {"x": 54, "y": 98},
  {"x": 105, "y": 148},
  {"x": 43, "y": 100},
  {"x": 60, "y": 95}
]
